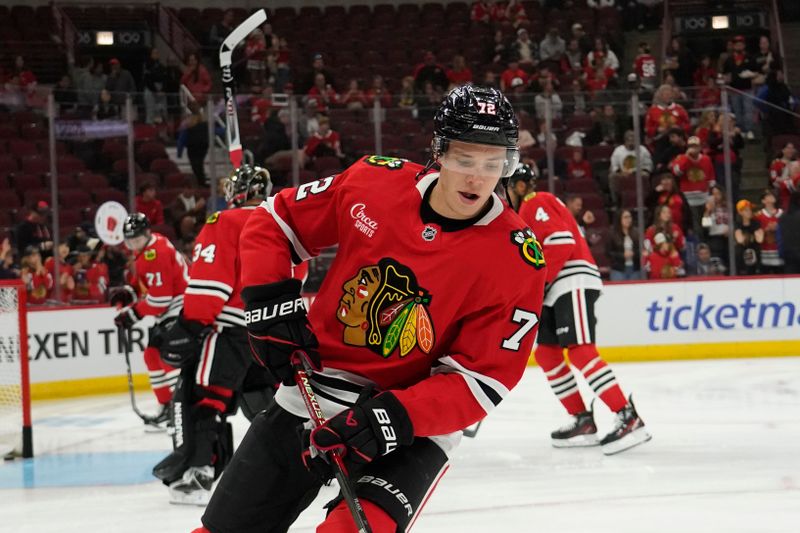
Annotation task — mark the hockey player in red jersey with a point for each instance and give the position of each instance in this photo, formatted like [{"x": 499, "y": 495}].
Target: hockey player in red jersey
[
  {"x": 209, "y": 343},
  {"x": 161, "y": 274},
  {"x": 421, "y": 327},
  {"x": 568, "y": 321}
]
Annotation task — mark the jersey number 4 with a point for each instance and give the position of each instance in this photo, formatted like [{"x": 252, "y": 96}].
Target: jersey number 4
[
  {"x": 206, "y": 253},
  {"x": 528, "y": 321},
  {"x": 541, "y": 215}
]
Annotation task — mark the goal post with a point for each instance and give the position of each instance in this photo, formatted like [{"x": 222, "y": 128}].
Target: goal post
[{"x": 16, "y": 435}]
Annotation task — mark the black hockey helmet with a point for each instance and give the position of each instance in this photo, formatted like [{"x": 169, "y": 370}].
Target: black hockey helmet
[
  {"x": 135, "y": 225},
  {"x": 479, "y": 115},
  {"x": 523, "y": 172},
  {"x": 246, "y": 183}
]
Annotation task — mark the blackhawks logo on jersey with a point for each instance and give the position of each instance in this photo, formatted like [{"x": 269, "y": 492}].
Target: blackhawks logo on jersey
[
  {"x": 383, "y": 307},
  {"x": 392, "y": 163},
  {"x": 529, "y": 247}
]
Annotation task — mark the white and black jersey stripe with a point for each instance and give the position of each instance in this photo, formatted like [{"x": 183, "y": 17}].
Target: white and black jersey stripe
[
  {"x": 298, "y": 250},
  {"x": 230, "y": 317},
  {"x": 575, "y": 274},
  {"x": 559, "y": 237},
  {"x": 488, "y": 392},
  {"x": 335, "y": 389},
  {"x": 173, "y": 309},
  {"x": 158, "y": 301},
  {"x": 207, "y": 287}
]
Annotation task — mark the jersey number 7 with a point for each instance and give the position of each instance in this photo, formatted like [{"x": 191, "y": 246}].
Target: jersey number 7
[{"x": 528, "y": 321}]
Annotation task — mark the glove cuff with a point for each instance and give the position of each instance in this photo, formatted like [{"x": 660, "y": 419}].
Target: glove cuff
[
  {"x": 269, "y": 291},
  {"x": 390, "y": 421},
  {"x": 194, "y": 327}
]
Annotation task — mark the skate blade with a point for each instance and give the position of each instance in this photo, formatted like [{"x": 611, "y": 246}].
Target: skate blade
[
  {"x": 150, "y": 428},
  {"x": 196, "y": 497},
  {"x": 634, "y": 438},
  {"x": 578, "y": 441}
]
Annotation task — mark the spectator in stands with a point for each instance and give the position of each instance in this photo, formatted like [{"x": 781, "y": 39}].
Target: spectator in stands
[
  {"x": 24, "y": 76},
  {"x": 354, "y": 97},
  {"x": 147, "y": 203},
  {"x": 716, "y": 144},
  {"x": 196, "y": 78},
  {"x": 185, "y": 230},
  {"x": 261, "y": 105},
  {"x": 768, "y": 217},
  {"x": 548, "y": 95},
  {"x": 317, "y": 67},
  {"x": 193, "y": 135},
  {"x": 709, "y": 95},
  {"x": 679, "y": 62},
  {"x": 154, "y": 75},
  {"x": 775, "y": 111},
  {"x": 35, "y": 276},
  {"x": 120, "y": 82},
  {"x": 664, "y": 115},
  {"x": 187, "y": 203},
  {"x": 324, "y": 143},
  {"x": 91, "y": 276},
  {"x": 552, "y": 48},
  {"x": 666, "y": 193},
  {"x": 716, "y": 224},
  {"x": 665, "y": 154},
  {"x": 576, "y": 98},
  {"x": 645, "y": 67},
  {"x": 578, "y": 168},
  {"x": 597, "y": 77},
  {"x": 739, "y": 70},
  {"x": 34, "y": 231},
  {"x": 695, "y": 173},
  {"x": 221, "y": 204},
  {"x": 82, "y": 81},
  {"x": 221, "y": 29},
  {"x": 481, "y": 12},
  {"x": 705, "y": 125},
  {"x": 663, "y": 224},
  {"x": 379, "y": 91},
  {"x": 323, "y": 94},
  {"x": 490, "y": 79},
  {"x": 584, "y": 41},
  {"x": 65, "y": 272},
  {"x": 460, "y": 74},
  {"x": 78, "y": 236},
  {"x": 64, "y": 95},
  {"x": 574, "y": 203},
  {"x": 602, "y": 50},
  {"x": 782, "y": 174},
  {"x": 705, "y": 265},
  {"x": 623, "y": 164},
  {"x": 663, "y": 262},
  {"x": 513, "y": 72},
  {"x": 514, "y": 13},
  {"x": 106, "y": 109},
  {"x": 8, "y": 269},
  {"x": 705, "y": 71},
  {"x": 430, "y": 71},
  {"x": 255, "y": 50},
  {"x": 789, "y": 236},
  {"x": 765, "y": 61},
  {"x": 279, "y": 64},
  {"x": 607, "y": 126},
  {"x": 96, "y": 83},
  {"x": 622, "y": 248},
  {"x": 572, "y": 59},
  {"x": 542, "y": 138},
  {"x": 499, "y": 51},
  {"x": 276, "y": 135},
  {"x": 749, "y": 235},
  {"x": 523, "y": 50},
  {"x": 407, "y": 99}
]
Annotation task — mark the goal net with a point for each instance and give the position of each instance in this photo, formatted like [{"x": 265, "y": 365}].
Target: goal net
[{"x": 15, "y": 414}]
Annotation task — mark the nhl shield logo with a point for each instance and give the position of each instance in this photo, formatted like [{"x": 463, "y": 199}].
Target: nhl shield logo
[{"x": 429, "y": 233}]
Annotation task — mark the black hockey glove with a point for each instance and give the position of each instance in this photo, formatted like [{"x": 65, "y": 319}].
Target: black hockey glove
[
  {"x": 126, "y": 318},
  {"x": 121, "y": 296},
  {"x": 277, "y": 326},
  {"x": 366, "y": 431},
  {"x": 181, "y": 341}
]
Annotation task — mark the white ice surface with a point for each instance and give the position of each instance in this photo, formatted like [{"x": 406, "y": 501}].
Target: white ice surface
[{"x": 725, "y": 457}]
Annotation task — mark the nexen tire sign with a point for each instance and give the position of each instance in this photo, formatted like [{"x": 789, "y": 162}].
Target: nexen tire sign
[{"x": 742, "y": 310}]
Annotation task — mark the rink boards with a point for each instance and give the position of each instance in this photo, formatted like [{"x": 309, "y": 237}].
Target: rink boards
[{"x": 76, "y": 351}]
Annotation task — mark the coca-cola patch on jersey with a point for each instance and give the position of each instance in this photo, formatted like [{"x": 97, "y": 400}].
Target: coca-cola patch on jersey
[{"x": 384, "y": 308}]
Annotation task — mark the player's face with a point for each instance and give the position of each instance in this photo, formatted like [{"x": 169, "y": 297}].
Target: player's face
[
  {"x": 470, "y": 173},
  {"x": 137, "y": 243},
  {"x": 358, "y": 293}
]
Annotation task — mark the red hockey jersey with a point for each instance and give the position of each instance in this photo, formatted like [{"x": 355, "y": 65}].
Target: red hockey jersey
[
  {"x": 666, "y": 117},
  {"x": 695, "y": 176},
  {"x": 570, "y": 264},
  {"x": 769, "y": 248},
  {"x": 162, "y": 274},
  {"x": 442, "y": 313}
]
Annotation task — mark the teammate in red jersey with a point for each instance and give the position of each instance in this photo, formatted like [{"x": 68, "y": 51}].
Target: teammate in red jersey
[
  {"x": 568, "y": 321},
  {"x": 161, "y": 273},
  {"x": 441, "y": 350},
  {"x": 209, "y": 343}
]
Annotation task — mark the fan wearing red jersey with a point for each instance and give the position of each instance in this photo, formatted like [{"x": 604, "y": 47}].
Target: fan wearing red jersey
[
  {"x": 209, "y": 343},
  {"x": 161, "y": 273},
  {"x": 568, "y": 321},
  {"x": 406, "y": 354}
]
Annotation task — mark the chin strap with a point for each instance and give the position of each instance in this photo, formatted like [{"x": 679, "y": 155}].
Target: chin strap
[{"x": 432, "y": 163}]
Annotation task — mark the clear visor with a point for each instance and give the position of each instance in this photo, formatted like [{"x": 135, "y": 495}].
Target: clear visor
[
  {"x": 480, "y": 160},
  {"x": 136, "y": 243}
]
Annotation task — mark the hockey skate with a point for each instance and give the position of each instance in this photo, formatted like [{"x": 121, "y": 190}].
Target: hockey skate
[
  {"x": 582, "y": 431},
  {"x": 628, "y": 432},
  {"x": 194, "y": 488},
  {"x": 158, "y": 422}
]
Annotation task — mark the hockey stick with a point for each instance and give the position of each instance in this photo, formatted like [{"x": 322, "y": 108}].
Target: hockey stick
[
  {"x": 318, "y": 418},
  {"x": 471, "y": 432},
  {"x": 225, "y": 59},
  {"x": 125, "y": 337}
]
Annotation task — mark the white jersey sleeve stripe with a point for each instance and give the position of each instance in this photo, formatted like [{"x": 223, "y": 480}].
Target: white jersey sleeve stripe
[{"x": 302, "y": 253}]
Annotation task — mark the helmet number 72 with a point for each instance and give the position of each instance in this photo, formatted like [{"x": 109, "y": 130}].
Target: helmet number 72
[{"x": 487, "y": 108}]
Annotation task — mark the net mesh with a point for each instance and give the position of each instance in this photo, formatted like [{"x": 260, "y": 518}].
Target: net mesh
[{"x": 10, "y": 372}]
